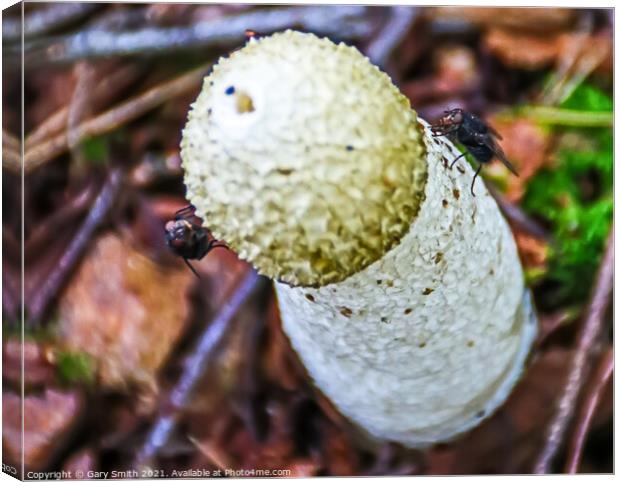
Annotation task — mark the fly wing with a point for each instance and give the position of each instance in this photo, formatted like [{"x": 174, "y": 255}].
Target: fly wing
[
  {"x": 502, "y": 157},
  {"x": 489, "y": 141},
  {"x": 494, "y": 132}
]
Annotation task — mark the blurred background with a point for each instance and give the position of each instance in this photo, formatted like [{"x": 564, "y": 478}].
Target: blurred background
[{"x": 114, "y": 375}]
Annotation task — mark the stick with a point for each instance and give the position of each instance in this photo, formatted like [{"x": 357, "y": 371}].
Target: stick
[
  {"x": 40, "y": 235},
  {"x": 343, "y": 22},
  {"x": 49, "y": 288},
  {"x": 601, "y": 377},
  {"x": 105, "y": 89},
  {"x": 391, "y": 35},
  {"x": 515, "y": 215},
  {"x": 194, "y": 368},
  {"x": 11, "y": 153},
  {"x": 11, "y": 160},
  {"x": 112, "y": 119},
  {"x": 45, "y": 19},
  {"x": 586, "y": 340}
]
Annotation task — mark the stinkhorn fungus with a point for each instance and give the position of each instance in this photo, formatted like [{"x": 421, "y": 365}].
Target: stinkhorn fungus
[{"x": 401, "y": 292}]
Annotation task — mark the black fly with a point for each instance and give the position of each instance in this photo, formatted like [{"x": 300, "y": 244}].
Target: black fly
[
  {"x": 187, "y": 238},
  {"x": 472, "y": 133}
]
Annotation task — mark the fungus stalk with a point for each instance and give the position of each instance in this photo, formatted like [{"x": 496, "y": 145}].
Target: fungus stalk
[{"x": 401, "y": 292}]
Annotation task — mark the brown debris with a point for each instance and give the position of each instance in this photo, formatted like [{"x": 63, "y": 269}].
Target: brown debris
[
  {"x": 527, "y": 146},
  {"x": 529, "y": 19},
  {"x": 38, "y": 366},
  {"x": 579, "y": 365},
  {"x": 48, "y": 420},
  {"x": 522, "y": 49},
  {"x": 81, "y": 461},
  {"x": 455, "y": 72},
  {"x": 111, "y": 119},
  {"x": 585, "y": 415},
  {"x": 572, "y": 53},
  {"x": 533, "y": 251},
  {"x": 124, "y": 311},
  {"x": 110, "y": 83}
]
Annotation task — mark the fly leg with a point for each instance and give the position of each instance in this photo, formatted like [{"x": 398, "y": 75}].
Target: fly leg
[
  {"x": 189, "y": 265},
  {"x": 185, "y": 212},
  {"x": 474, "y": 180},
  {"x": 454, "y": 162},
  {"x": 211, "y": 245}
]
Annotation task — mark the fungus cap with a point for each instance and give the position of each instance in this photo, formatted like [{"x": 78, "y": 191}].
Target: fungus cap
[{"x": 325, "y": 184}]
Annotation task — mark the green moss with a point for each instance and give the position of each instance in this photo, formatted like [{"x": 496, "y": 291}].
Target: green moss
[
  {"x": 95, "y": 150},
  {"x": 75, "y": 367},
  {"x": 576, "y": 198},
  {"x": 587, "y": 97}
]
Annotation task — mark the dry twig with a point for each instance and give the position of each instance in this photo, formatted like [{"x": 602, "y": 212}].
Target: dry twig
[
  {"x": 11, "y": 152},
  {"x": 105, "y": 90},
  {"x": 343, "y": 22},
  {"x": 41, "y": 234},
  {"x": 194, "y": 368},
  {"x": 80, "y": 106},
  {"x": 50, "y": 287},
  {"x": 515, "y": 215},
  {"x": 46, "y": 19},
  {"x": 586, "y": 343},
  {"x": 391, "y": 35},
  {"x": 600, "y": 380},
  {"x": 115, "y": 117}
]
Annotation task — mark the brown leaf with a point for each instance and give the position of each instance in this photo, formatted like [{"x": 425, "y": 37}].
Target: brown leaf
[
  {"x": 455, "y": 72},
  {"x": 533, "y": 251},
  {"x": 575, "y": 52},
  {"x": 82, "y": 460},
  {"x": 341, "y": 456},
  {"x": 530, "y": 19},
  {"x": 522, "y": 49},
  {"x": 48, "y": 419},
  {"x": 37, "y": 366},
  {"x": 526, "y": 145},
  {"x": 125, "y": 311},
  {"x": 303, "y": 468}
]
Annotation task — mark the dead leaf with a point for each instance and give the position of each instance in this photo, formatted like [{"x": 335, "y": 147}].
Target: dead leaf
[
  {"x": 48, "y": 419},
  {"x": 340, "y": 453},
  {"x": 575, "y": 53},
  {"x": 82, "y": 460},
  {"x": 526, "y": 145},
  {"x": 303, "y": 468},
  {"x": 533, "y": 251},
  {"x": 455, "y": 72},
  {"x": 529, "y": 19},
  {"x": 125, "y": 311},
  {"x": 522, "y": 49},
  {"x": 38, "y": 368}
]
